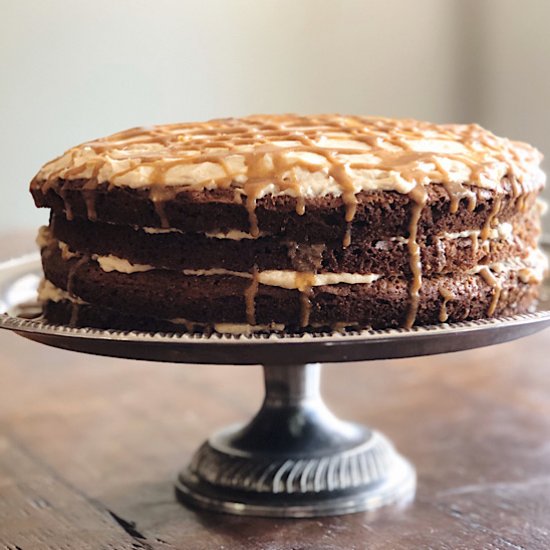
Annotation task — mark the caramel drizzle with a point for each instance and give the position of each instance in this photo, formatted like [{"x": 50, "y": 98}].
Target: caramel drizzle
[
  {"x": 447, "y": 296},
  {"x": 250, "y": 294},
  {"x": 304, "y": 283},
  {"x": 475, "y": 244},
  {"x": 88, "y": 191},
  {"x": 494, "y": 282},
  {"x": 419, "y": 197},
  {"x": 457, "y": 192},
  {"x": 67, "y": 208},
  {"x": 75, "y": 308},
  {"x": 72, "y": 273},
  {"x": 159, "y": 196},
  {"x": 386, "y": 145},
  {"x": 491, "y": 218}
]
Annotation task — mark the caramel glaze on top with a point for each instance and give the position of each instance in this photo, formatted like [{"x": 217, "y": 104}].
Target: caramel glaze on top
[{"x": 304, "y": 157}]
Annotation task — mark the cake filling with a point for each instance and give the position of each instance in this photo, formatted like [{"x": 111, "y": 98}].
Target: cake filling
[
  {"x": 47, "y": 291},
  {"x": 502, "y": 230},
  {"x": 232, "y": 234}
]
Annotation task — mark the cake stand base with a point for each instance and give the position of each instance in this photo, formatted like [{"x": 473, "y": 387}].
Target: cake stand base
[{"x": 295, "y": 458}]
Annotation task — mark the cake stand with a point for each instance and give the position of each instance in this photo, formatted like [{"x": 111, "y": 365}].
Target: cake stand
[{"x": 294, "y": 458}]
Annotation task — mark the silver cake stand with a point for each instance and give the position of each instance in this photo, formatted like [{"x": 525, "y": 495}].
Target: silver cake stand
[{"x": 294, "y": 458}]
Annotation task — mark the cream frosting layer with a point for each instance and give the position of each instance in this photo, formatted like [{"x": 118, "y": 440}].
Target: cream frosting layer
[
  {"x": 531, "y": 269},
  {"x": 301, "y": 156},
  {"x": 230, "y": 328},
  {"x": 114, "y": 263},
  {"x": 243, "y": 328},
  {"x": 232, "y": 234},
  {"x": 47, "y": 291},
  {"x": 291, "y": 279},
  {"x": 503, "y": 231}
]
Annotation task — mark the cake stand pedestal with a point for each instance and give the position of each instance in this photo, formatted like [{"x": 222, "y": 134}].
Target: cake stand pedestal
[{"x": 294, "y": 458}]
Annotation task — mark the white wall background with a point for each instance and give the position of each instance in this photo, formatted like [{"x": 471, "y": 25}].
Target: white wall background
[{"x": 72, "y": 70}]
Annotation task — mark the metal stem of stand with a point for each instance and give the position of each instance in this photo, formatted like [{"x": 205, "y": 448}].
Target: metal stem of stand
[{"x": 295, "y": 458}]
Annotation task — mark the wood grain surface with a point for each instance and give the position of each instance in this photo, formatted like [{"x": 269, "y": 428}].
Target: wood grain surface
[{"x": 90, "y": 448}]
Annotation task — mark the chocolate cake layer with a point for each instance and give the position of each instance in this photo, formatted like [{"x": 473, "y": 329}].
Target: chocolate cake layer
[
  {"x": 166, "y": 294},
  {"x": 174, "y": 250},
  {"x": 379, "y": 214},
  {"x": 376, "y": 315},
  {"x": 87, "y": 315}
]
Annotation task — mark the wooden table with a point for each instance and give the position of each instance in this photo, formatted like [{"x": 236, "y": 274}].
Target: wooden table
[{"x": 90, "y": 447}]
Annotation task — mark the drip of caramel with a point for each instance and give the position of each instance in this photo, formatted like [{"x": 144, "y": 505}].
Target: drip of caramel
[
  {"x": 72, "y": 273},
  {"x": 447, "y": 296},
  {"x": 88, "y": 191},
  {"x": 475, "y": 244},
  {"x": 304, "y": 282},
  {"x": 494, "y": 282},
  {"x": 70, "y": 285},
  {"x": 491, "y": 218},
  {"x": 250, "y": 294},
  {"x": 419, "y": 198},
  {"x": 159, "y": 196},
  {"x": 66, "y": 204},
  {"x": 457, "y": 192},
  {"x": 347, "y": 236},
  {"x": 75, "y": 309}
]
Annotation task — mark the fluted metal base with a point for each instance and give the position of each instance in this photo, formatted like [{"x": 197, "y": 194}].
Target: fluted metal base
[{"x": 295, "y": 458}]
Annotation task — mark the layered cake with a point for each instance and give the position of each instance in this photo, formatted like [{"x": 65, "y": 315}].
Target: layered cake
[{"x": 290, "y": 223}]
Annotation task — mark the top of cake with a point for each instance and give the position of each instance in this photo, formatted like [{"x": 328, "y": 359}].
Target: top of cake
[{"x": 301, "y": 156}]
